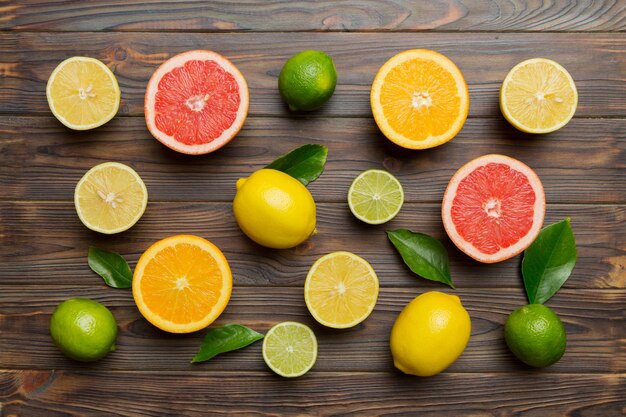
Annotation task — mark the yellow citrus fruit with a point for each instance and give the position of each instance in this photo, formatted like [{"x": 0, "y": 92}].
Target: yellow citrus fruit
[
  {"x": 274, "y": 209},
  {"x": 182, "y": 283},
  {"x": 538, "y": 96},
  {"x": 110, "y": 198},
  {"x": 419, "y": 99},
  {"x": 430, "y": 334},
  {"x": 341, "y": 290},
  {"x": 83, "y": 93}
]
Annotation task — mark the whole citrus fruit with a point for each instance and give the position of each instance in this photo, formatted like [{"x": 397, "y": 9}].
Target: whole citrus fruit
[
  {"x": 274, "y": 209},
  {"x": 307, "y": 80},
  {"x": 430, "y": 334},
  {"x": 535, "y": 334},
  {"x": 83, "y": 329}
]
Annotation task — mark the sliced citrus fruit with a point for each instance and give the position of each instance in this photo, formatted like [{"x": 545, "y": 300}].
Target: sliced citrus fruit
[
  {"x": 493, "y": 208},
  {"x": 290, "y": 349},
  {"x": 538, "y": 96},
  {"x": 419, "y": 99},
  {"x": 375, "y": 196},
  {"x": 182, "y": 283},
  {"x": 110, "y": 198},
  {"x": 83, "y": 93},
  {"x": 196, "y": 102},
  {"x": 341, "y": 290}
]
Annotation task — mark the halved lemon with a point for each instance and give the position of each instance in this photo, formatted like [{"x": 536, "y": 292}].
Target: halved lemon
[
  {"x": 110, "y": 198},
  {"x": 83, "y": 93},
  {"x": 182, "y": 283},
  {"x": 290, "y": 349},
  {"x": 538, "y": 96},
  {"x": 341, "y": 290},
  {"x": 419, "y": 99}
]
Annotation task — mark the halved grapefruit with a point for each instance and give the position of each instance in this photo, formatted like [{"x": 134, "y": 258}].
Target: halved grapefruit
[
  {"x": 196, "y": 102},
  {"x": 493, "y": 208}
]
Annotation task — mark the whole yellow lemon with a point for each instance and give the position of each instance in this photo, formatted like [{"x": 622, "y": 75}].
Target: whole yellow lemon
[
  {"x": 274, "y": 209},
  {"x": 430, "y": 334}
]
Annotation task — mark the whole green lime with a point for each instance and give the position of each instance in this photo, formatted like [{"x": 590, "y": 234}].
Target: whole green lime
[
  {"x": 535, "y": 334},
  {"x": 307, "y": 80},
  {"x": 83, "y": 329}
]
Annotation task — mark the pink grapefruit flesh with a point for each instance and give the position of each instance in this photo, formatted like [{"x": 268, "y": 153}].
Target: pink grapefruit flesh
[
  {"x": 196, "y": 102},
  {"x": 493, "y": 208}
]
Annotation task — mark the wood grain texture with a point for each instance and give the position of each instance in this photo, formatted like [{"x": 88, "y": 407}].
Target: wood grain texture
[
  {"x": 55, "y": 394},
  {"x": 369, "y": 15},
  {"x": 595, "y": 61},
  {"x": 593, "y": 320},
  {"x": 43, "y": 160},
  {"x": 44, "y": 242}
]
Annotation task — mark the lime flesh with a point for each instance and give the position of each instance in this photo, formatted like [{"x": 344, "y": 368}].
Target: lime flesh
[
  {"x": 375, "y": 196},
  {"x": 290, "y": 349}
]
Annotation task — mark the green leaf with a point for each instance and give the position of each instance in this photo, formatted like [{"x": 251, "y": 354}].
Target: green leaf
[
  {"x": 224, "y": 339},
  {"x": 305, "y": 163},
  {"x": 425, "y": 255},
  {"x": 549, "y": 261},
  {"x": 111, "y": 267}
]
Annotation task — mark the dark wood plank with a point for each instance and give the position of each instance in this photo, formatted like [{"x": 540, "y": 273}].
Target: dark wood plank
[
  {"x": 44, "y": 242},
  {"x": 53, "y": 393},
  {"x": 594, "y": 321},
  {"x": 40, "y": 159},
  {"x": 259, "y": 15},
  {"x": 596, "y": 62}
]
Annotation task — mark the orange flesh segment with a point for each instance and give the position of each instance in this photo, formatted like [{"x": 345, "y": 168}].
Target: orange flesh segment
[
  {"x": 197, "y": 102},
  {"x": 182, "y": 283},
  {"x": 493, "y": 207},
  {"x": 419, "y": 99}
]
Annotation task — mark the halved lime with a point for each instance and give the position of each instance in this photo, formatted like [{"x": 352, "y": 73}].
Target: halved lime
[
  {"x": 375, "y": 196},
  {"x": 290, "y": 349}
]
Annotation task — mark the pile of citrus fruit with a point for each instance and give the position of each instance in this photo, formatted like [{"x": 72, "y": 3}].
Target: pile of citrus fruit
[{"x": 196, "y": 102}]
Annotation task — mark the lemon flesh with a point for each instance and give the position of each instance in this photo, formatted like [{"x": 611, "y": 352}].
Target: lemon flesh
[
  {"x": 341, "y": 290},
  {"x": 83, "y": 93},
  {"x": 430, "y": 333},
  {"x": 274, "y": 209},
  {"x": 538, "y": 96},
  {"x": 290, "y": 349},
  {"x": 110, "y": 198},
  {"x": 375, "y": 196}
]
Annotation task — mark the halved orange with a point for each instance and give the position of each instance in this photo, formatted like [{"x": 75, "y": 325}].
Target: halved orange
[
  {"x": 419, "y": 99},
  {"x": 182, "y": 283}
]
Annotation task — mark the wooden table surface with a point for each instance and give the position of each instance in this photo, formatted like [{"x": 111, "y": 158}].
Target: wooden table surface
[{"x": 44, "y": 246}]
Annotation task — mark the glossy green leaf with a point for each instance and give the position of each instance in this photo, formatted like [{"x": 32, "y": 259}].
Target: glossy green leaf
[
  {"x": 111, "y": 267},
  {"x": 423, "y": 254},
  {"x": 225, "y": 339},
  {"x": 305, "y": 163},
  {"x": 549, "y": 261}
]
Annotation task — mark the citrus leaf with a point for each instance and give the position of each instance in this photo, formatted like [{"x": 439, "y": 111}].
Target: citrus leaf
[
  {"x": 305, "y": 163},
  {"x": 549, "y": 261},
  {"x": 423, "y": 254},
  {"x": 225, "y": 339},
  {"x": 111, "y": 267}
]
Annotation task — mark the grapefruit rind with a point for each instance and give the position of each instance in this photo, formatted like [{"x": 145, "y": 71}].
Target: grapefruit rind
[
  {"x": 539, "y": 209},
  {"x": 178, "y": 61},
  {"x": 377, "y": 110},
  {"x": 154, "y": 317}
]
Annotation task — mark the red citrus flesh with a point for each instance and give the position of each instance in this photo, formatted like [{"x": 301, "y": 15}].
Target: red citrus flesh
[
  {"x": 196, "y": 102},
  {"x": 493, "y": 208}
]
